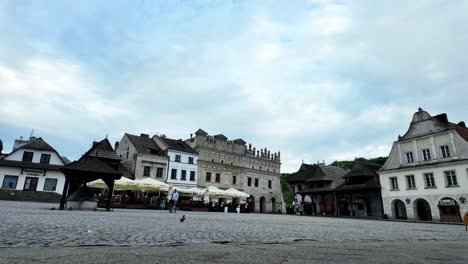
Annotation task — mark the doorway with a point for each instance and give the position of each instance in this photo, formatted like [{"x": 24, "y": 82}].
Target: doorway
[
  {"x": 449, "y": 210},
  {"x": 423, "y": 210},
  {"x": 399, "y": 210}
]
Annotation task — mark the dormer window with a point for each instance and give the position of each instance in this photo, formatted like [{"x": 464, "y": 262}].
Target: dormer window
[
  {"x": 445, "y": 151},
  {"x": 409, "y": 157},
  {"x": 426, "y": 154},
  {"x": 28, "y": 156},
  {"x": 45, "y": 158}
]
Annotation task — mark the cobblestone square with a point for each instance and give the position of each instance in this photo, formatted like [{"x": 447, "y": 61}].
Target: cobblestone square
[{"x": 36, "y": 226}]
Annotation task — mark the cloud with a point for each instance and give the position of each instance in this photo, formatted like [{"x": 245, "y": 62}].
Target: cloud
[{"x": 315, "y": 79}]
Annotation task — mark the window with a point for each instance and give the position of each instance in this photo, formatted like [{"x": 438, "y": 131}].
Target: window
[
  {"x": 260, "y": 167},
  {"x": 50, "y": 184},
  {"x": 410, "y": 182},
  {"x": 192, "y": 176},
  {"x": 128, "y": 152},
  {"x": 208, "y": 176},
  {"x": 249, "y": 181},
  {"x": 451, "y": 178},
  {"x": 174, "y": 174},
  {"x": 218, "y": 177},
  {"x": 9, "y": 182},
  {"x": 234, "y": 180},
  {"x": 28, "y": 156},
  {"x": 231, "y": 163},
  {"x": 429, "y": 178},
  {"x": 177, "y": 158},
  {"x": 190, "y": 160},
  {"x": 393, "y": 183},
  {"x": 146, "y": 171},
  {"x": 409, "y": 157},
  {"x": 426, "y": 154},
  {"x": 222, "y": 161},
  {"x": 256, "y": 182},
  {"x": 269, "y": 184},
  {"x": 445, "y": 151},
  {"x": 45, "y": 158},
  {"x": 212, "y": 160},
  {"x": 159, "y": 172},
  {"x": 183, "y": 175},
  {"x": 30, "y": 184}
]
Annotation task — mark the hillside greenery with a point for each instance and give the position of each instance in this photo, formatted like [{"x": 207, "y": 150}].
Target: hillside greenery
[{"x": 288, "y": 194}]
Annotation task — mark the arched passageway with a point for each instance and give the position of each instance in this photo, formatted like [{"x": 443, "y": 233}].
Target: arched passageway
[
  {"x": 262, "y": 204},
  {"x": 399, "y": 210},
  {"x": 449, "y": 210},
  {"x": 251, "y": 203},
  {"x": 273, "y": 205},
  {"x": 422, "y": 210}
]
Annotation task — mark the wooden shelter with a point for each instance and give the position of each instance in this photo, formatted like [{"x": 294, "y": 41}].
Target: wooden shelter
[{"x": 99, "y": 162}]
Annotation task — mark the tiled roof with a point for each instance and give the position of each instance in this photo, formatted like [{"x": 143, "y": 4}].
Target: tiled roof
[
  {"x": 144, "y": 144},
  {"x": 32, "y": 165},
  {"x": 102, "y": 149},
  {"x": 38, "y": 144},
  {"x": 363, "y": 169},
  {"x": 178, "y": 145},
  {"x": 314, "y": 172},
  {"x": 92, "y": 165}
]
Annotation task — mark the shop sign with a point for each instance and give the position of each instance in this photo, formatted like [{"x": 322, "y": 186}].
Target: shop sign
[
  {"x": 447, "y": 202},
  {"x": 33, "y": 172}
]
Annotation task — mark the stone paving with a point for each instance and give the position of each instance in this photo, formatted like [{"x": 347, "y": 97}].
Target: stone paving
[{"x": 35, "y": 225}]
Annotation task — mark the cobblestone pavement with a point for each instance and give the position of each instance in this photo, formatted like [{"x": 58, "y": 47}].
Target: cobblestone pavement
[{"x": 35, "y": 225}]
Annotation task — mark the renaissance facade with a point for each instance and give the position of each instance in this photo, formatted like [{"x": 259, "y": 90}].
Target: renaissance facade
[
  {"x": 234, "y": 164},
  {"x": 426, "y": 174}
]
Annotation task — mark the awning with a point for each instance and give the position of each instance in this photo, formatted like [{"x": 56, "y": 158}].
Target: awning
[
  {"x": 119, "y": 185},
  {"x": 150, "y": 184},
  {"x": 237, "y": 194}
]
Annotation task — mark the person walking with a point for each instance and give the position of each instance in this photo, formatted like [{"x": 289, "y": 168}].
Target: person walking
[{"x": 173, "y": 202}]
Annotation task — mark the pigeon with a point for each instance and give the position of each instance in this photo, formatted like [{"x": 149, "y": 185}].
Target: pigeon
[{"x": 182, "y": 219}]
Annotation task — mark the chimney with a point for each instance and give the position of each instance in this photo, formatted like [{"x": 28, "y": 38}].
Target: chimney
[
  {"x": 94, "y": 143},
  {"x": 116, "y": 146},
  {"x": 144, "y": 135},
  {"x": 462, "y": 124},
  {"x": 191, "y": 135}
]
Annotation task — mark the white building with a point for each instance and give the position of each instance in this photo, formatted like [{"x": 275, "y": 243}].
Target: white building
[
  {"x": 183, "y": 162},
  {"x": 33, "y": 165},
  {"x": 426, "y": 174}
]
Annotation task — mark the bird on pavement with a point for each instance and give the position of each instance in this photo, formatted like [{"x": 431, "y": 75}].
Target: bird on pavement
[{"x": 182, "y": 219}]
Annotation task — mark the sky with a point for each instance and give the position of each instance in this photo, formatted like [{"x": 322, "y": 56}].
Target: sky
[{"x": 318, "y": 80}]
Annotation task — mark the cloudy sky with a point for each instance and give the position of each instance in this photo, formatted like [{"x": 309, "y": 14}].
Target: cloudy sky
[{"x": 318, "y": 80}]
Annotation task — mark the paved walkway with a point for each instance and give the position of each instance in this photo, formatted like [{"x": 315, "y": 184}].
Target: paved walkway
[{"x": 158, "y": 233}]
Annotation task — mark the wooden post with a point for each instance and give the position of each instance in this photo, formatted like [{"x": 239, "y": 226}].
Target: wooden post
[
  {"x": 64, "y": 194},
  {"x": 110, "y": 184},
  {"x": 465, "y": 220}
]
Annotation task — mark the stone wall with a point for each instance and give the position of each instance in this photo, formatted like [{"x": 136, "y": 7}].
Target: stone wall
[{"x": 30, "y": 196}]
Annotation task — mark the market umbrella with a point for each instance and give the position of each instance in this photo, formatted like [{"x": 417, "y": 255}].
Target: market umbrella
[
  {"x": 150, "y": 184},
  {"x": 236, "y": 193},
  {"x": 215, "y": 192},
  {"x": 119, "y": 185}
]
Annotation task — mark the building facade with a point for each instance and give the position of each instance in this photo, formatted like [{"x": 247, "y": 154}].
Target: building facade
[
  {"x": 314, "y": 186},
  {"x": 33, "y": 165},
  {"x": 426, "y": 174},
  {"x": 142, "y": 157},
  {"x": 182, "y": 164},
  {"x": 360, "y": 195},
  {"x": 232, "y": 164}
]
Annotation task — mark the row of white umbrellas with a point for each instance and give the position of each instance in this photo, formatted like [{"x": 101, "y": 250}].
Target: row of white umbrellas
[
  {"x": 146, "y": 184},
  {"x": 150, "y": 184}
]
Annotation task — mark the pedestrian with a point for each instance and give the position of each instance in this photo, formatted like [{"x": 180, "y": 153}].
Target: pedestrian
[{"x": 173, "y": 202}]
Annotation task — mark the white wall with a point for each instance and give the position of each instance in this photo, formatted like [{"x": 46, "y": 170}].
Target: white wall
[
  {"x": 182, "y": 165},
  {"x": 10, "y": 171},
  {"x": 431, "y": 195},
  {"x": 18, "y": 156}
]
